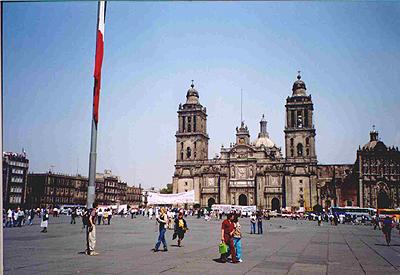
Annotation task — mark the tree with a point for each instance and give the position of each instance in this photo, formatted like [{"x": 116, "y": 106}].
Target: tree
[{"x": 167, "y": 190}]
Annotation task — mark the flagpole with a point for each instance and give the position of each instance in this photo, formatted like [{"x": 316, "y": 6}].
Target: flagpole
[
  {"x": 96, "y": 98},
  {"x": 1, "y": 135}
]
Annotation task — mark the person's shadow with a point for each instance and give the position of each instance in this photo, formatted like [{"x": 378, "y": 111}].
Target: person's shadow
[{"x": 382, "y": 244}]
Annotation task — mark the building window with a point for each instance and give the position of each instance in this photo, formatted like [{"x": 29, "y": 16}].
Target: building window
[
  {"x": 300, "y": 149},
  {"x": 291, "y": 152},
  {"x": 299, "y": 119},
  {"x": 189, "y": 124},
  {"x": 181, "y": 145},
  {"x": 185, "y": 183},
  {"x": 291, "y": 142},
  {"x": 183, "y": 124},
  {"x": 307, "y": 141},
  {"x": 308, "y": 151},
  {"x": 188, "y": 153},
  {"x": 301, "y": 189},
  {"x": 292, "y": 118},
  {"x": 194, "y": 124},
  {"x": 349, "y": 203},
  {"x": 301, "y": 181},
  {"x": 305, "y": 117},
  {"x": 181, "y": 155}
]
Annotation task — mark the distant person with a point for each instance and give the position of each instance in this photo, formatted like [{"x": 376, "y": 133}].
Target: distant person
[
  {"x": 259, "y": 223},
  {"x": 32, "y": 216},
  {"x": 105, "y": 216},
  {"x": 45, "y": 221},
  {"x": 387, "y": 229},
  {"x": 73, "y": 216},
  {"x": 162, "y": 220},
  {"x": 319, "y": 220},
  {"x": 110, "y": 215},
  {"x": 253, "y": 220}
]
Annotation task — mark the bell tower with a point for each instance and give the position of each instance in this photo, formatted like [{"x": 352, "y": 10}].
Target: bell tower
[
  {"x": 301, "y": 160},
  {"x": 299, "y": 127},
  {"x": 191, "y": 137}
]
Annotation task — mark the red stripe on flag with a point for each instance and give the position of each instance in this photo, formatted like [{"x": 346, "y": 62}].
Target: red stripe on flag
[{"x": 97, "y": 74}]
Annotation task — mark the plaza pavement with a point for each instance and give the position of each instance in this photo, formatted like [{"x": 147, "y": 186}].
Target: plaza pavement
[{"x": 287, "y": 247}]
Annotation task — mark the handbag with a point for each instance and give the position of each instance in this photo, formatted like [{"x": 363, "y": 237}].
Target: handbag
[{"x": 223, "y": 248}]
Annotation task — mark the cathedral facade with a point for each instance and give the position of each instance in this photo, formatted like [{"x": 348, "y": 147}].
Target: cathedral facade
[{"x": 255, "y": 172}]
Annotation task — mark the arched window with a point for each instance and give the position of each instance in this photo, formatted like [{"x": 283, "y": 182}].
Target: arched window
[
  {"x": 194, "y": 155},
  {"x": 300, "y": 149},
  {"x": 308, "y": 152},
  {"x": 181, "y": 145},
  {"x": 188, "y": 153},
  {"x": 307, "y": 141},
  {"x": 181, "y": 155},
  {"x": 183, "y": 124},
  {"x": 189, "y": 124},
  {"x": 291, "y": 142},
  {"x": 195, "y": 143},
  {"x": 291, "y": 152},
  {"x": 194, "y": 124},
  {"x": 305, "y": 117}
]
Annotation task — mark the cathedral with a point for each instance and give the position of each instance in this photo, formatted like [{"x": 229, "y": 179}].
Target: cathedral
[{"x": 255, "y": 172}]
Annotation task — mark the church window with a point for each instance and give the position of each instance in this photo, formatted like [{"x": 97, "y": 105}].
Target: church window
[
  {"x": 301, "y": 189},
  {"x": 291, "y": 142},
  {"x": 292, "y": 118},
  {"x": 301, "y": 181},
  {"x": 194, "y": 124},
  {"x": 195, "y": 143},
  {"x": 189, "y": 124},
  {"x": 181, "y": 145},
  {"x": 195, "y": 155},
  {"x": 185, "y": 183},
  {"x": 307, "y": 141},
  {"x": 188, "y": 153},
  {"x": 299, "y": 119},
  {"x": 181, "y": 155},
  {"x": 305, "y": 117},
  {"x": 308, "y": 152},
  {"x": 300, "y": 149},
  {"x": 183, "y": 123},
  {"x": 291, "y": 152}
]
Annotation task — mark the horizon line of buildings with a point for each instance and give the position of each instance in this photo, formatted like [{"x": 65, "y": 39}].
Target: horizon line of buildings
[{"x": 49, "y": 189}]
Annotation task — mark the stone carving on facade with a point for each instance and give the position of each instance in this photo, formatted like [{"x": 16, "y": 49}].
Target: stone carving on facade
[{"x": 241, "y": 172}]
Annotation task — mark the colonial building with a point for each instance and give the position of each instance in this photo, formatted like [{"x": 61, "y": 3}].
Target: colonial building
[
  {"x": 254, "y": 172},
  {"x": 51, "y": 189},
  {"x": 377, "y": 170},
  {"x": 134, "y": 196},
  {"x": 15, "y": 172}
]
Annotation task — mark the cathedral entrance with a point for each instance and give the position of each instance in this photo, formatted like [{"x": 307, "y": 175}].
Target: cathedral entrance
[
  {"x": 211, "y": 202},
  {"x": 243, "y": 200},
  {"x": 275, "y": 204},
  {"x": 383, "y": 200}
]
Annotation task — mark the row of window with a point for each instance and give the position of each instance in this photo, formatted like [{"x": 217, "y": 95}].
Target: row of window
[
  {"x": 299, "y": 151},
  {"x": 16, "y": 189},
  {"x": 298, "y": 119},
  {"x": 14, "y": 199},
  {"x": 19, "y": 164},
  {"x": 17, "y": 171},
  {"x": 187, "y": 124},
  {"x": 17, "y": 179}
]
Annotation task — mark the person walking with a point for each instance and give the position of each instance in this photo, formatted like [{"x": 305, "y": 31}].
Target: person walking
[
  {"x": 32, "y": 216},
  {"x": 180, "y": 228},
  {"x": 253, "y": 220},
  {"x": 45, "y": 221},
  {"x": 259, "y": 223},
  {"x": 73, "y": 216},
  {"x": 227, "y": 230},
  {"x": 162, "y": 220},
  {"x": 105, "y": 216},
  {"x": 9, "y": 222},
  {"x": 319, "y": 220},
  {"x": 91, "y": 231},
  {"x": 99, "y": 216},
  {"x": 387, "y": 229},
  {"x": 237, "y": 239},
  {"x": 110, "y": 215}
]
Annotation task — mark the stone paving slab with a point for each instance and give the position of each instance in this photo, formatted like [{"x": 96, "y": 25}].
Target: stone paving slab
[{"x": 287, "y": 247}]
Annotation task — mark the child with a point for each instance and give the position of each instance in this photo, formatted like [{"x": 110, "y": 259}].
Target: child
[{"x": 237, "y": 239}]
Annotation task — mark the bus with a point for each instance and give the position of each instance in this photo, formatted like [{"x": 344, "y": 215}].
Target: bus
[
  {"x": 393, "y": 213},
  {"x": 352, "y": 210}
]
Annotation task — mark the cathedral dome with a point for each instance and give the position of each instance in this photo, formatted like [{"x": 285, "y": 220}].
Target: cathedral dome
[
  {"x": 192, "y": 96},
  {"x": 264, "y": 141},
  {"x": 299, "y": 87}
]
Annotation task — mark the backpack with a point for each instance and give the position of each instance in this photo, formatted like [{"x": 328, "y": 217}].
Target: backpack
[{"x": 85, "y": 218}]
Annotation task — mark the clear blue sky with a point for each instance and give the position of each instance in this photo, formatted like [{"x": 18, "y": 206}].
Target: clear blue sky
[{"x": 349, "y": 55}]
